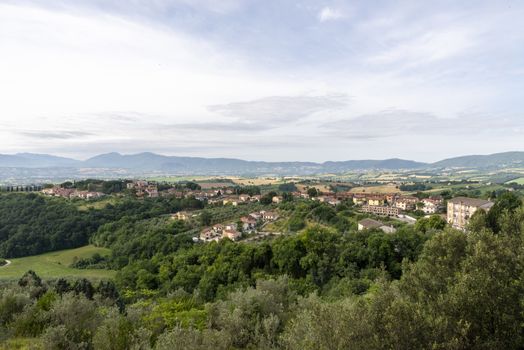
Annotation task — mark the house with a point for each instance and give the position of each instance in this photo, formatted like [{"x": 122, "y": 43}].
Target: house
[
  {"x": 248, "y": 223},
  {"x": 368, "y": 224},
  {"x": 230, "y": 200},
  {"x": 391, "y": 197},
  {"x": 461, "y": 209},
  {"x": 277, "y": 199},
  {"x": 214, "y": 200},
  {"x": 375, "y": 201},
  {"x": 244, "y": 197},
  {"x": 256, "y": 215},
  {"x": 231, "y": 233},
  {"x": 86, "y": 195},
  {"x": 269, "y": 215},
  {"x": 218, "y": 227},
  {"x": 380, "y": 210},
  {"x": 404, "y": 204},
  {"x": 333, "y": 201},
  {"x": 359, "y": 199},
  {"x": 432, "y": 205},
  {"x": 209, "y": 234},
  {"x": 181, "y": 215}
]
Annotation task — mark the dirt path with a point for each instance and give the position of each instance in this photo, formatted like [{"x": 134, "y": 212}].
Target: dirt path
[{"x": 7, "y": 263}]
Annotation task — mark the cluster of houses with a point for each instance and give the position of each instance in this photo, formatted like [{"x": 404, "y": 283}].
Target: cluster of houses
[
  {"x": 395, "y": 204},
  {"x": 459, "y": 212},
  {"x": 143, "y": 189},
  {"x": 232, "y": 231},
  {"x": 71, "y": 193}
]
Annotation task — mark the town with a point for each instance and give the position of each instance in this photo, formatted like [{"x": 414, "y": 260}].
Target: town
[{"x": 394, "y": 207}]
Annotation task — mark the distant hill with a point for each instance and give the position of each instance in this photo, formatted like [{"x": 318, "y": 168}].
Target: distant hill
[
  {"x": 497, "y": 160},
  {"x": 151, "y": 162},
  {"x": 32, "y": 160}
]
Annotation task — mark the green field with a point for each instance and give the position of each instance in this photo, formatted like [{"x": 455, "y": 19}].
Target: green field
[
  {"x": 56, "y": 264},
  {"x": 520, "y": 181}
]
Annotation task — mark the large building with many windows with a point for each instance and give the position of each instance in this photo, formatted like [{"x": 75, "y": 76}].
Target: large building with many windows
[{"x": 461, "y": 209}]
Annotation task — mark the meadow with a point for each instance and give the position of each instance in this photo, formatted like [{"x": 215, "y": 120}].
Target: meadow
[{"x": 56, "y": 264}]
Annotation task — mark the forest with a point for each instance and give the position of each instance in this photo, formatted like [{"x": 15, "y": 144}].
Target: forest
[{"x": 328, "y": 286}]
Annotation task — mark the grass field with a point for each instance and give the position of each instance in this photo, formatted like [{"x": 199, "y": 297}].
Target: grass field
[
  {"x": 99, "y": 204},
  {"x": 56, "y": 264},
  {"x": 520, "y": 181}
]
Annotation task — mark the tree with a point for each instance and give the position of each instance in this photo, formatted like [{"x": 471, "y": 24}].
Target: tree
[
  {"x": 205, "y": 218},
  {"x": 287, "y": 187},
  {"x": 312, "y": 192},
  {"x": 508, "y": 202}
]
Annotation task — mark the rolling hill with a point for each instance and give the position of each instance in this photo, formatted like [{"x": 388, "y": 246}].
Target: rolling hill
[{"x": 151, "y": 162}]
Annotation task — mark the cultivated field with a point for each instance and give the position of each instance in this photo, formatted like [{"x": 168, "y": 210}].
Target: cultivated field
[
  {"x": 56, "y": 264},
  {"x": 258, "y": 181},
  {"x": 376, "y": 189}
]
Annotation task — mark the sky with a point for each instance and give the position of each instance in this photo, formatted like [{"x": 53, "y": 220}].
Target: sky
[{"x": 273, "y": 80}]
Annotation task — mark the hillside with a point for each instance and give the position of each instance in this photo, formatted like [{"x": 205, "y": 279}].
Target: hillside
[
  {"x": 151, "y": 162},
  {"x": 506, "y": 159}
]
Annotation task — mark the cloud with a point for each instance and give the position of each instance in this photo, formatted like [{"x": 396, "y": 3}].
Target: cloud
[
  {"x": 406, "y": 124},
  {"x": 57, "y": 134},
  {"x": 329, "y": 14},
  {"x": 430, "y": 46},
  {"x": 280, "y": 109}
]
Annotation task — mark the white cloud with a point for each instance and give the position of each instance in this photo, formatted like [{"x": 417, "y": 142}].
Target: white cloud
[
  {"x": 329, "y": 14},
  {"x": 182, "y": 76}
]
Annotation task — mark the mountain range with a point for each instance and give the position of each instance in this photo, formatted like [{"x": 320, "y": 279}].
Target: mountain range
[{"x": 151, "y": 162}]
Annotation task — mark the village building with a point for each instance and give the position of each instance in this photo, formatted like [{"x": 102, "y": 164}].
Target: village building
[
  {"x": 208, "y": 235},
  {"x": 277, "y": 199},
  {"x": 461, "y": 209},
  {"x": 404, "y": 204},
  {"x": 369, "y": 224},
  {"x": 256, "y": 215},
  {"x": 181, "y": 215},
  {"x": 269, "y": 215},
  {"x": 381, "y": 210},
  {"x": 230, "y": 200},
  {"x": 375, "y": 200},
  {"x": 432, "y": 205},
  {"x": 231, "y": 233},
  {"x": 248, "y": 223}
]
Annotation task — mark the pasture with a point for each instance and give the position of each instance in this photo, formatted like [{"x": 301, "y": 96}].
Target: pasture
[{"x": 56, "y": 265}]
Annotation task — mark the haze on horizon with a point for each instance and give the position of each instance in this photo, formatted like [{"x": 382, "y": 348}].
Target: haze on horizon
[{"x": 262, "y": 80}]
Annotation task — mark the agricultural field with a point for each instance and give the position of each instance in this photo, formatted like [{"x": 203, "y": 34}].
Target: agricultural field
[
  {"x": 257, "y": 181},
  {"x": 519, "y": 181},
  {"x": 56, "y": 265},
  {"x": 376, "y": 189}
]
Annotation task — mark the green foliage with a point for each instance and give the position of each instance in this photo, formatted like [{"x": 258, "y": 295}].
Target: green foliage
[
  {"x": 414, "y": 187},
  {"x": 287, "y": 187},
  {"x": 507, "y": 203},
  {"x": 312, "y": 192},
  {"x": 249, "y": 190},
  {"x": 31, "y": 224},
  {"x": 434, "y": 222}
]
